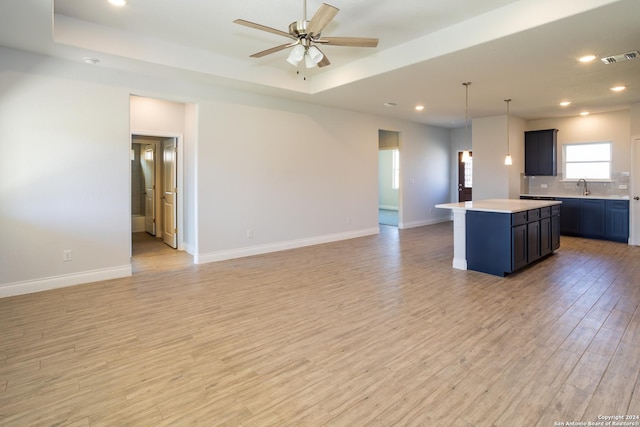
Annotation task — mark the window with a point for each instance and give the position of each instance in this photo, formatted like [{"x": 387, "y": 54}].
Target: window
[
  {"x": 395, "y": 176},
  {"x": 588, "y": 161},
  {"x": 468, "y": 173}
]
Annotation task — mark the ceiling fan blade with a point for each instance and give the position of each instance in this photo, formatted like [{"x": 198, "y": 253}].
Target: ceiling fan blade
[
  {"x": 348, "y": 41},
  {"x": 262, "y": 27},
  {"x": 272, "y": 50},
  {"x": 325, "y": 61},
  {"x": 323, "y": 16}
]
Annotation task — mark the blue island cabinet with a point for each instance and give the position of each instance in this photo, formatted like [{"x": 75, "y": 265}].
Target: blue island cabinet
[{"x": 500, "y": 243}]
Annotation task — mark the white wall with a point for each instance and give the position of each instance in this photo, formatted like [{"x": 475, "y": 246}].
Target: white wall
[
  {"x": 388, "y": 196},
  {"x": 492, "y": 179},
  {"x": 65, "y": 136},
  {"x": 190, "y": 187},
  {"x": 157, "y": 116},
  {"x": 256, "y": 173},
  {"x": 516, "y": 147},
  {"x": 64, "y": 174},
  {"x": 634, "y": 116},
  {"x": 424, "y": 174}
]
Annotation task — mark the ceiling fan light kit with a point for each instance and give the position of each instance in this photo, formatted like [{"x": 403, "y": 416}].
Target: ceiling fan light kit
[
  {"x": 306, "y": 34},
  {"x": 296, "y": 55},
  {"x": 314, "y": 56}
]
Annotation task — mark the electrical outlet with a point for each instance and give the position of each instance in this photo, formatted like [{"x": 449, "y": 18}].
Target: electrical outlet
[
  {"x": 348, "y": 220},
  {"x": 66, "y": 255},
  {"x": 249, "y": 233},
  {"x": 543, "y": 185},
  {"x": 622, "y": 187}
]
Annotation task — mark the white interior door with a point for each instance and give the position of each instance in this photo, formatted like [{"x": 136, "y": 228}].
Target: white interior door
[
  {"x": 148, "y": 168},
  {"x": 169, "y": 192},
  {"x": 635, "y": 195}
]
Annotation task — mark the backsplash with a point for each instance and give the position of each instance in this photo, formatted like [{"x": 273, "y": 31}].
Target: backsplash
[{"x": 555, "y": 186}]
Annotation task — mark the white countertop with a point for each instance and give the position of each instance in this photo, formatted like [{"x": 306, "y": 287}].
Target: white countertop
[
  {"x": 577, "y": 196},
  {"x": 499, "y": 205}
]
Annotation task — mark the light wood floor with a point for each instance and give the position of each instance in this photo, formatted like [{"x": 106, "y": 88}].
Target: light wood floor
[{"x": 375, "y": 331}]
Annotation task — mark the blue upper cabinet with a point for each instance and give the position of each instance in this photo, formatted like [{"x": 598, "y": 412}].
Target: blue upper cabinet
[{"x": 540, "y": 152}]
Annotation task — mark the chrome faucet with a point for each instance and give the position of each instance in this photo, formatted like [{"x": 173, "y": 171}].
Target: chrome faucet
[{"x": 586, "y": 191}]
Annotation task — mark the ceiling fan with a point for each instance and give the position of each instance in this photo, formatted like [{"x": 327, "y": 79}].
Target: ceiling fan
[{"x": 307, "y": 35}]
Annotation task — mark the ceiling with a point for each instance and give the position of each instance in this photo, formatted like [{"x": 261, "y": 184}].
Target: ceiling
[{"x": 525, "y": 50}]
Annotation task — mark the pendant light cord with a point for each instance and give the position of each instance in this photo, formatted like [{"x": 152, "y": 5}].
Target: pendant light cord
[
  {"x": 466, "y": 112},
  {"x": 508, "y": 160},
  {"x": 466, "y": 116},
  {"x": 508, "y": 145}
]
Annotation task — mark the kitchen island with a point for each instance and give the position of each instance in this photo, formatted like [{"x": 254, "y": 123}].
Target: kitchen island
[{"x": 500, "y": 236}]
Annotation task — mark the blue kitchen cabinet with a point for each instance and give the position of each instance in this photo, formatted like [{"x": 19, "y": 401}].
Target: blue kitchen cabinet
[
  {"x": 501, "y": 243},
  {"x": 569, "y": 216},
  {"x": 592, "y": 218},
  {"x": 617, "y": 220},
  {"x": 595, "y": 218},
  {"x": 540, "y": 157}
]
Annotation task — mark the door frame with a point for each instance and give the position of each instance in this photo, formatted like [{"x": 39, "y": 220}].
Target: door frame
[
  {"x": 180, "y": 164},
  {"x": 634, "y": 206}
]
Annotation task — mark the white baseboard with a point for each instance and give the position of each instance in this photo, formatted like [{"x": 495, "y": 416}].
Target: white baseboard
[
  {"x": 422, "y": 223},
  {"x": 48, "y": 283},
  {"x": 280, "y": 246}
]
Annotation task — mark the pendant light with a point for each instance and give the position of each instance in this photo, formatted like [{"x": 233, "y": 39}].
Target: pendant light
[
  {"x": 508, "y": 161},
  {"x": 466, "y": 156}
]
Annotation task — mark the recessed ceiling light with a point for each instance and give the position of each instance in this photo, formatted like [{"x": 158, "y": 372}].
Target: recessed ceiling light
[
  {"x": 118, "y": 3},
  {"x": 565, "y": 103},
  {"x": 419, "y": 107},
  {"x": 618, "y": 88},
  {"x": 587, "y": 58},
  {"x": 90, "y": 60},
  {"x": 390, "y": 104},
  {"x": 584, "y": 113}
]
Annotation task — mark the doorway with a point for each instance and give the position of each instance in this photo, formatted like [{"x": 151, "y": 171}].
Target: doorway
[
  {"x": 388, "y": 178},
  {"x": 465, "y": 178},
  {"x": 154, "y": 188}
]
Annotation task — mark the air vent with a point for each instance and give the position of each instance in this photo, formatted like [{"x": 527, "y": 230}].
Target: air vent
[{"x": 621, "y": 57}]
